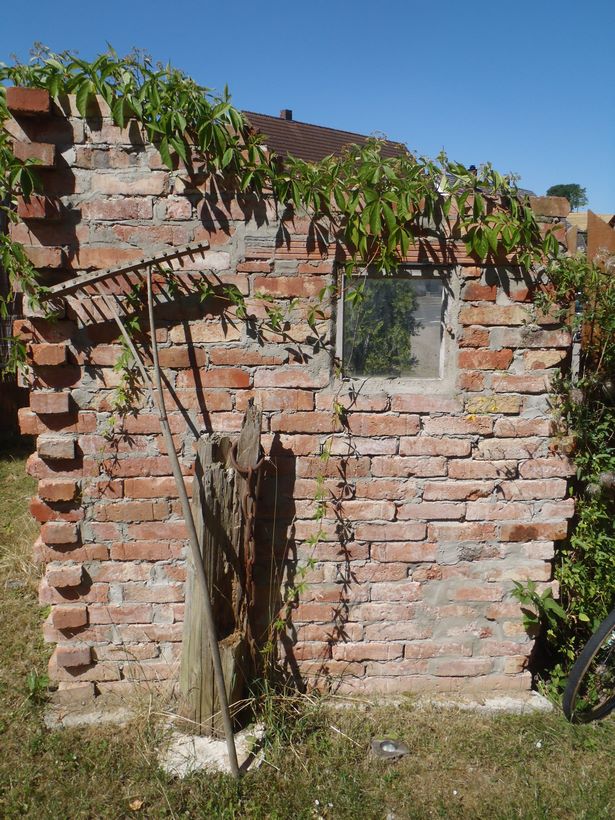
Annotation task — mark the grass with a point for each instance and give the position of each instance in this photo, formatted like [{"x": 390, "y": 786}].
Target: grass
[{"x": 461, "y": 765}]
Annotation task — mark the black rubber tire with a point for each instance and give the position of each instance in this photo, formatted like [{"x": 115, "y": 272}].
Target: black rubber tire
[{"x": 603, "y": 639}]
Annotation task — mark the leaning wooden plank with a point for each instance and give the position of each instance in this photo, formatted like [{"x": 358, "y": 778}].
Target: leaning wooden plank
[{"x": 223, "y": 509}]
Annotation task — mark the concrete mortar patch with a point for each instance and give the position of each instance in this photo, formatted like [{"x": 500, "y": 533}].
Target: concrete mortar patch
[{"x": 184, "y": 754}]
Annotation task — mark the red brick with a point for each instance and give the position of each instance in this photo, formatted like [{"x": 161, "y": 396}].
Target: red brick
[
  {"x": 287, "y": 286},
  {"x": 462, "y": 667},
  {"x": 390, "y": 531},
  {"x": 54, "y": 449},
  {"x": 406, "y": 551},
  {"x": 152, "y": 593},
  {"x": 295, "y": 377},
  {"x": 40, "y": 207},
  {"x": 445, "y": 425},
  {"x": 457, "y": 490},
  {"x": 117, "y": 209},
  {"x": 59, "y": 532},
  {"x": 383, "y": 424},
  {"x": 434, "y": 446},
  {"x": 461, "y": 532},
  {"x": 57, "y": 489},
  {"x": 130, "y": 511},
  {"x": 311, "y": 422},
  {"x": 245, "y": 356},
  {"x": 476, "y": 292},
  {"x": 48, "y": 354},
  {"x": 493, "y": 315},
  {"x": 497, "y": 511},
  {"x": 474, "y": 337},
  {"x": 215, "y": 377},
  {"x": 523, "y": 427},
  {"x": 69, "y": 616},
  {"x": 534, "y": 532},
  {"x": 477, "y": 592},
  {"x": 533, "y": 489},
  {"x": 154, "y": 487},
  {"x": 482, "y": 359},
  {"x": 254, "y": 267},
  {"x": 28, "y": 101},
  {"x": 424, "y": 404},
  {"x": 367, "y": 651},
  {"x": 546, "y": 468},
  {"x": 143, "y": 551},
  {"x": 173, "y": 530},
  {"x": 48, "y": 403},
  {"x": 121, "y": 614},
  {"x": 469, "y": 468},
  {"x": 71, "y": 656},
  {"x": 430, "y": 511},
  {"x": 44, "y": 152},
  {"x": 398, "y": 466},
  {"x": 509, "y": 383},
  {"x": 471, "y": 381},
  {"x": 45, "y": 257},
  {"x": 69, "y": 575}
]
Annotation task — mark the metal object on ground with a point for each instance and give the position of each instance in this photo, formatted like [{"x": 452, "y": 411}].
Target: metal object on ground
[{"x": 389, "y": 749}]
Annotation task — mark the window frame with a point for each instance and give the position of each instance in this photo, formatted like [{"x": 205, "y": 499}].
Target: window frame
[{"x": 442, "y": 384}]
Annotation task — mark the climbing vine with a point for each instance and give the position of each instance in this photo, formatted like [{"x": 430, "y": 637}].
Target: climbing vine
[{"x": 583, "y": 293}]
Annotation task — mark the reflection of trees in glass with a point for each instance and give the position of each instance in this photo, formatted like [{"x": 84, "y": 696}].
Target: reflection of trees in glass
[{"x": 378, "y": 329}]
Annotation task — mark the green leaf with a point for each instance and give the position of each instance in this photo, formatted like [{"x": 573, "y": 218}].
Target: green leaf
[{"x": 83, "y": 95}]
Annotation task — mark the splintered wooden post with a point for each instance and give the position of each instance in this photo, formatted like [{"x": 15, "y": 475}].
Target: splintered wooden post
[{"x": 222, "y": 504}]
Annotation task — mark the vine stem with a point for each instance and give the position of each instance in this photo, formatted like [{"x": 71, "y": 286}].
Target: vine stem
[{"x": 197, "y": 556}]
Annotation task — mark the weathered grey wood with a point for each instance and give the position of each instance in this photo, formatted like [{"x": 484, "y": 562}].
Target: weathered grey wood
[{"x": 219, "y": 508}]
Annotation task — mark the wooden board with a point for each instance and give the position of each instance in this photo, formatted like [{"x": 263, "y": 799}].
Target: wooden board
[{"x": 219, "y": 513}]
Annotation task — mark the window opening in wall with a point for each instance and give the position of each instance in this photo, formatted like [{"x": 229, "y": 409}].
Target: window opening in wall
[{"x": 392, "y": 326}]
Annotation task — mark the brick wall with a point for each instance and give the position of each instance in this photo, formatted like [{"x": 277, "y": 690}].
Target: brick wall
[{"x": 448, "y": 496}]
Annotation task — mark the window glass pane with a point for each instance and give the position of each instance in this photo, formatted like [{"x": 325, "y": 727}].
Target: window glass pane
[{"x": 395, "y": 329}]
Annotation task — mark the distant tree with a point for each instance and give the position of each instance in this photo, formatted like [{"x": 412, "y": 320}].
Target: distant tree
[{"x": 576, "y": 196}]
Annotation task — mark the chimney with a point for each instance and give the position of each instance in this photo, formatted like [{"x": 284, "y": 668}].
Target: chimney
[{"x": 286, "y": 114}]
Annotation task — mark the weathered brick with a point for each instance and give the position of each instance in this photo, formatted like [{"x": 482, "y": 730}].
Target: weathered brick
[
  {"x": 57, "y": 489},
  {"x": 28, "y": 101},
  {"x": 288, "y": 286},
  {"x": 546, "y": 467},
  {"x": 69, "y": 616},
  {"x": 294, "y": 377},
  {"x": 433, "y": 446},
  {"x": 481, "y": 359},
  {"x": 461, "y": 667},
  {"x": 424, "y": 404},
  {"x": 54, "y": 449},
  {"x": 505, "y": 315},
  {"x": 477, "y": 292},
  {"x": 117, "y": 209},
  {"x": 43, "y": 152},
  {"x": 431, "y": 511},
  {"x": 48, "y": 403},
  {"x": 59, "y": 532},
  {"x": 467, "y": 468},
  {"x": 67, "y": 575},
  {"x": 72, "y": 656},
  {"x": 554, "y": 531},
  {"x": 461, "y": 532},
  {"x": 447, "y": 425},
  {"x": 457, "y": 490},
  {"x": 398, "y": 466},
  {"x": 543, "y": 359},
  {"x": 390, "y": 531},
  {"x": 493, "y": 404},
  {"x": 35, "y": 208}
]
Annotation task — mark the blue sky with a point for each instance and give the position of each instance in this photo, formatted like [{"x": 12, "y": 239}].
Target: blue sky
[{"x": 525, "y": 85}]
